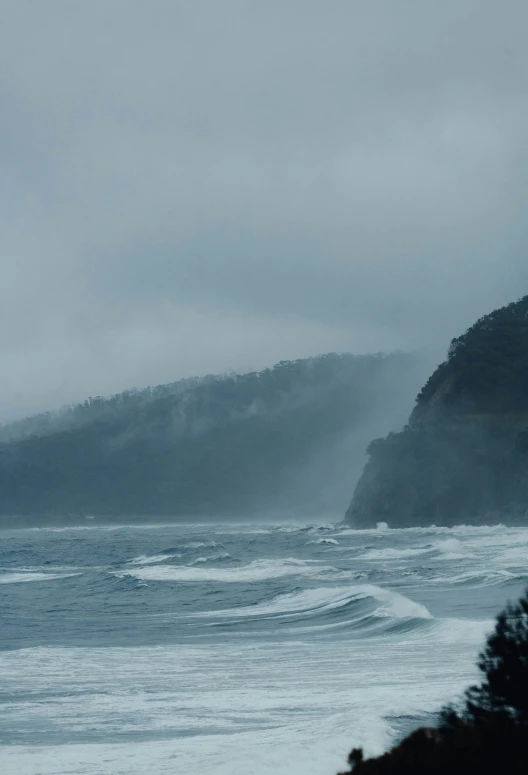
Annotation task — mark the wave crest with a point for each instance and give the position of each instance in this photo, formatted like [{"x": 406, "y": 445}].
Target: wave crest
[
  {"x": 258, "y": 570},
  {"x": 16, "y": 578},
  {"x": 363, "y": 607}
]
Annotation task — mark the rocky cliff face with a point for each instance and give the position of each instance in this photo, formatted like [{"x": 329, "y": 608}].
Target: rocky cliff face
[{"x": 463, "y": 457}]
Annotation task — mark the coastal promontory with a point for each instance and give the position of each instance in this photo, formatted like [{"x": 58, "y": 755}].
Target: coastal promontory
[{"x": 463, "y": 456}]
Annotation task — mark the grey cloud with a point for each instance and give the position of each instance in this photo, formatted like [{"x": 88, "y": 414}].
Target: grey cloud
[{"x": 190, "y": 187}]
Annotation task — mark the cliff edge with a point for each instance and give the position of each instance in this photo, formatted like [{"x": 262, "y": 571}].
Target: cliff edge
[{"x": 463, "y": 457}]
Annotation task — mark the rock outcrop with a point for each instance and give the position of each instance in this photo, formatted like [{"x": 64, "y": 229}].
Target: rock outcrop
[{"x": 463, "y": 457}]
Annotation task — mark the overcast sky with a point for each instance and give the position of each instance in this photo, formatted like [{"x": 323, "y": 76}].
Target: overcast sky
[{"x": 201, "y": 185}]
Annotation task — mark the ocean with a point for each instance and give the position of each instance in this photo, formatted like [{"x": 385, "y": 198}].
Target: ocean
[{"x": 237, "y": 649}]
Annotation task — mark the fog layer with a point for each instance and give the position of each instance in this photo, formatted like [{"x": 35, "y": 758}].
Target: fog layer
[
  {"x": 285, "y": 442},
  {"x": 192, "y": 187}
]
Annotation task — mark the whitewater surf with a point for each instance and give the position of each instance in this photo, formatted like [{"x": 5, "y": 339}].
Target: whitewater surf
[{"x": 238, "y": 649}]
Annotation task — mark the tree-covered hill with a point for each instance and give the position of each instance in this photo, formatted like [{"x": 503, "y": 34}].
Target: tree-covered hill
[
  {"x": 280, "y": 440},
  {"x": 487, "y": 367},
  {"x": 463, "y": 457}
]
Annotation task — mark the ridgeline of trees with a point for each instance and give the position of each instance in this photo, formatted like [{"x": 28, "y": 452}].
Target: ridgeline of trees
[
  {"x": 487, "y": 367},
  {"x": 215, "y": 446},
  {"x": 489, "y": 733}
]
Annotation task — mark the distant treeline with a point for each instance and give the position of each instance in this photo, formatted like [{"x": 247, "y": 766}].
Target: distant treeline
[{"x": 218, "y": 445}]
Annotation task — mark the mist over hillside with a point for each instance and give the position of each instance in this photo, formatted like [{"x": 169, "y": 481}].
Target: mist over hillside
[{"x": 286, "y": 441}]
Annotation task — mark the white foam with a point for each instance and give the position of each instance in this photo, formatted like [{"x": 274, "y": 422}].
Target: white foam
[
  {"x": 393, "y": 553},
  {"x": 145, "y": 559},
  {"x": 456, "y": 630},
  {"x": 395, "y": 605},
  {"x": 494, "y": 539},
  {"x": 213, "y": 558},
  {"x": 156, "y": 709},
  {"x": 16, "y": 578},
  {"x": 480, "y": 578},
  {"x": 325, "y": 541},
  {"x": 450, "y": 549},
  {"x": 463, "y": 530},
  {"x": 302, "y": 716},
  {"x": 515, "y": 557},
  {"x": 258, "y": 570},
  {"x": 294, "y": 602},
  {"x": 449, "y": 545},
  {"x": 321, "y": 599}
]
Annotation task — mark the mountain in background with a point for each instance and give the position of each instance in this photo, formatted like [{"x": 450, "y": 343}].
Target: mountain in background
[
  {"x": 463, "y": 457},
  {"x": 287, "y": 441}
]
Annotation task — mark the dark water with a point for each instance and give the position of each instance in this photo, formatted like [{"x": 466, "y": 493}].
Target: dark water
[{"x": 230, "y": 648}]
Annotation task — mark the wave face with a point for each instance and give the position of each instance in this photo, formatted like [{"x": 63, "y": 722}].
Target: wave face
[{"x": 224, "y": 645}]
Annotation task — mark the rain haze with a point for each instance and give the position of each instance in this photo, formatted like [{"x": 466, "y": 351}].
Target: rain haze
[
  {"x": 189, "y": 188},
  {"x": 247, "y": 524}
]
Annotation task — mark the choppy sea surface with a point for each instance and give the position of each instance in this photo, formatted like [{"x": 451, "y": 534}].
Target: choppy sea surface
[{"x": 237, "y": 649}]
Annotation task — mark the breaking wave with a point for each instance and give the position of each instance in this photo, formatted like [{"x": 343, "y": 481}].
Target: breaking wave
[
  {"x": 152, "y": 559},
  {"x": 16, "y": 578},
  {"x": 258, "y": 570},
  {"x": 317, "y": 628},
  {"x": 448, "y": 549},
  {"x": 330, "y": 598},
  {"x": 213, "y": 558},
  {"x": 483, "y": 578},
  {"x": 363, "y": 609}
]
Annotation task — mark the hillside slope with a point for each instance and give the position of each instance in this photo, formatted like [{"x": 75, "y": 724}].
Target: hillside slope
[
  {"x": 463, "y": 457},
  {"x": 279, "y": 441}
]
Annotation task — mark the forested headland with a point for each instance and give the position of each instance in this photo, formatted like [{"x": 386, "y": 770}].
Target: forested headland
[
  {"x": 463, "y": 456},
  {"x": 283, "y": 441}
]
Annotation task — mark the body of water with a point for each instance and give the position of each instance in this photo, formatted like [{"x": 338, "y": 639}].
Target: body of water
[{"x": 237, "y": 649}]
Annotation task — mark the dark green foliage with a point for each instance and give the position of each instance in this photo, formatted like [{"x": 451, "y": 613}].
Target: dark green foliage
[
  {"x": 488, "y": 365},
  {"x": 490, "y": 733},
  {"x": 224, "y": 445},
  {"x": 463, "y": 458},
  {"x": 445, "y": 473},
  {"x": 503, "y": 695}
]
